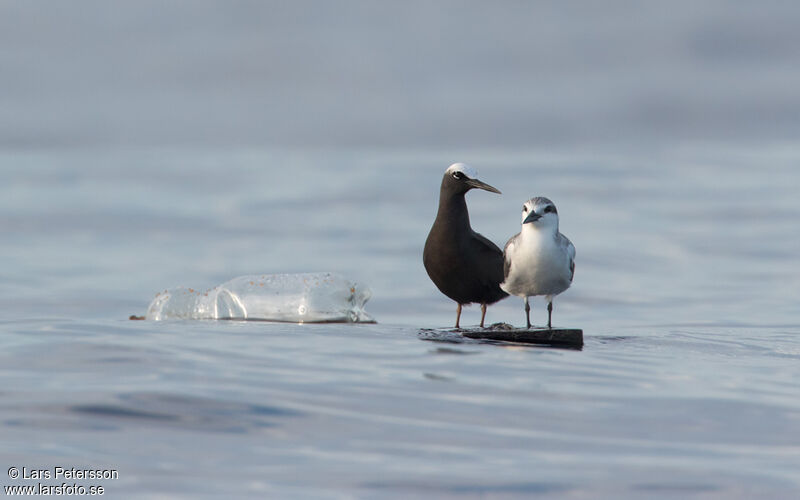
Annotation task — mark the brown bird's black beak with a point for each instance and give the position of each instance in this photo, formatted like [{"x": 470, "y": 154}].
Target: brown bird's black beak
[{"x": 482, "y": 185}]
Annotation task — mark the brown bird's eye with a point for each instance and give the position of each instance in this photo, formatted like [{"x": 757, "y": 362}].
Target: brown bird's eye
[{"x": 458, "y": 175}]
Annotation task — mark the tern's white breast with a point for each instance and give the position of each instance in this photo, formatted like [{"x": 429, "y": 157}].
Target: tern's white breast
[{"x": 539, "y": 266}]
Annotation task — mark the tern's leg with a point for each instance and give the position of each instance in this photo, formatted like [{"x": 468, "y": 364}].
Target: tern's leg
[
  {"x": 458, "y": 315},
  {"x": 549, "y": 315},
  {"x": 527, "y": 311}
]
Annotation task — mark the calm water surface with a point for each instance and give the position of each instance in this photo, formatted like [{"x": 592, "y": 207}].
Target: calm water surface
[{"x": 686, "y": 286}]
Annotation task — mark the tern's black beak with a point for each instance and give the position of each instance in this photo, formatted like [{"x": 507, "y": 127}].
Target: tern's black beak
[
  {"x": 482, "y": 185},
  {"x": 532, "y": 217}
]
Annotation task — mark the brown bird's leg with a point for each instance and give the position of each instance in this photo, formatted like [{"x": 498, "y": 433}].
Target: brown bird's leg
[
  {"x": 527, "y": 312},
  {"x": 483, "y": 313},
  {"x": 458, "y": 315},
  {"x": 549, "y": 315}
]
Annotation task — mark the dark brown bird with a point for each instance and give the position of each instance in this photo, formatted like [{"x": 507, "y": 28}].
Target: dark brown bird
[{"x": 463, "y": 264}]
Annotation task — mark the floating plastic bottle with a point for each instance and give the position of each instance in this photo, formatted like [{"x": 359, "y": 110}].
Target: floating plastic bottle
[{"x": 296, "y": 298}]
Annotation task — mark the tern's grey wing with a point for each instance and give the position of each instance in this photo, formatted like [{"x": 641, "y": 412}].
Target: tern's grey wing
[
  {"x": 507, "y": 251},
  {"x": 568, "y": 247}
]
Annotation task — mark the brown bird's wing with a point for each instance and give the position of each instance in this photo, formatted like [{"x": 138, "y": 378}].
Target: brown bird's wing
[{"x": 493, "y": 274}]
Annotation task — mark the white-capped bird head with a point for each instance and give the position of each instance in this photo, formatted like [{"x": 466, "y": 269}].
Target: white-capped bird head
[
  {"x": 460, "y": 178},
  {"x": 463, "y": 168},
  {"x": 540, "y": 213}
]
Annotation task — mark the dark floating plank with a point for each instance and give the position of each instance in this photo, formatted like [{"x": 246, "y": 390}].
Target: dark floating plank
[
  {"x": 567, "y": 337},
  {"x": 570, "y": 338}
]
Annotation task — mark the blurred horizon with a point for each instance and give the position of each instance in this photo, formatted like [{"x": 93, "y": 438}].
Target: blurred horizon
[{"x": 413, "y": 75}]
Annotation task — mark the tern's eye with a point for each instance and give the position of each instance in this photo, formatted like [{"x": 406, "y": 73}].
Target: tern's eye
[
  {"x": 525, "y": 208},
  {"x": 458, "y": 175}
]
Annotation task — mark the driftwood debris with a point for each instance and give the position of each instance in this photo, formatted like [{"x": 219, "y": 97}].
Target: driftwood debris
[{"x": 570, "y": 338}]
